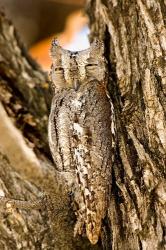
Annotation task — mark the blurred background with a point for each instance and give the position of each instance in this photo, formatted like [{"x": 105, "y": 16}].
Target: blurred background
[{"x": 38, "y": 21}]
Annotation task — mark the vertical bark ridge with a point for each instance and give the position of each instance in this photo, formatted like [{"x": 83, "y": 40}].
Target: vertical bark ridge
[{"x": 137, "y": 51}]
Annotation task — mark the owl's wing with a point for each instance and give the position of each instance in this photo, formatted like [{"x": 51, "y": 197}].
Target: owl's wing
[{"x": 91, "y": 147}]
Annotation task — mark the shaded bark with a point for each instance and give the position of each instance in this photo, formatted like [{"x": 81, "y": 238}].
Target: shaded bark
[
  {"x": 26, "y": 168},
  {"x": 135, "y": 48}
]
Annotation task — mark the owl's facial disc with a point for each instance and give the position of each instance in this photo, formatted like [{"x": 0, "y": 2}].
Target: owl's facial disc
[{"x": 71, "y": 69}]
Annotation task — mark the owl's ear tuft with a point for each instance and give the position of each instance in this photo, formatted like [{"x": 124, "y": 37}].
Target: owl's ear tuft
[
  {"x": 97, "y": 46},
  {"x": 55, "y": 49},
  {"x": 55, "y": 42}
]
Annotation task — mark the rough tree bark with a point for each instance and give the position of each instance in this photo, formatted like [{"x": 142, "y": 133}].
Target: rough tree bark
[
  {"x": 26, "y": 168},
  {"x": 135, "y": 48},
  {"x": 135, "y": 37}
]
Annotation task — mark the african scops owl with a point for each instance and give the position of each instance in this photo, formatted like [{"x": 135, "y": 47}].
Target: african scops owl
[{"x": 79, "y": 131}]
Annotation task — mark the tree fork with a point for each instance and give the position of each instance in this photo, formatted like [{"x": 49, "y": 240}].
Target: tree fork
[{"x": 135, "y": 35}]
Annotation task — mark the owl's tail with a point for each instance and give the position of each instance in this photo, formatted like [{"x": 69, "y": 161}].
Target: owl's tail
[{"x": 92, "y": 225}]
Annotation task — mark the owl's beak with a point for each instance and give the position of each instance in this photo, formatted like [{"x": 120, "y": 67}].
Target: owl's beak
[{"x": 76, "y": 84}]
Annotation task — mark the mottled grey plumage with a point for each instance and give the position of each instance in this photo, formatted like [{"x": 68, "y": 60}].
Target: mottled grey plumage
[{"x": 80, "y": 134}]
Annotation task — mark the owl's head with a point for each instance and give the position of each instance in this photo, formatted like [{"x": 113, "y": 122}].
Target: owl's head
[{"x": 71, "y": 69}]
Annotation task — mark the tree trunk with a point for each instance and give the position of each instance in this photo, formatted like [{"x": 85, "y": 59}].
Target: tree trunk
[
  {"x": 135, "y": 38},
  {"x": 135, "y": 46}
]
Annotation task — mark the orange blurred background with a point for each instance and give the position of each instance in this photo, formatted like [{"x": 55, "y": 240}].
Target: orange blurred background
[
  {"x": 69, "y": 38},
  {"x": 38, "y": 21}
]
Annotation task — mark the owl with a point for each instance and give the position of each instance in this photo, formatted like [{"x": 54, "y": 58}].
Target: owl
[{"x": 79, "y": 132}]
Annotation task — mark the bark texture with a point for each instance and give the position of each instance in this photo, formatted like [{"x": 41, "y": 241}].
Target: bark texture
[
  {"x": 26, "y": 168},
  {"x": 135, "y": 37},
  {"x": 135, "y": 47}
]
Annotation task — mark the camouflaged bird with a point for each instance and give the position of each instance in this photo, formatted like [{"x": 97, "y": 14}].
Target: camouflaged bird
[{"x": 80, "y": 135}]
